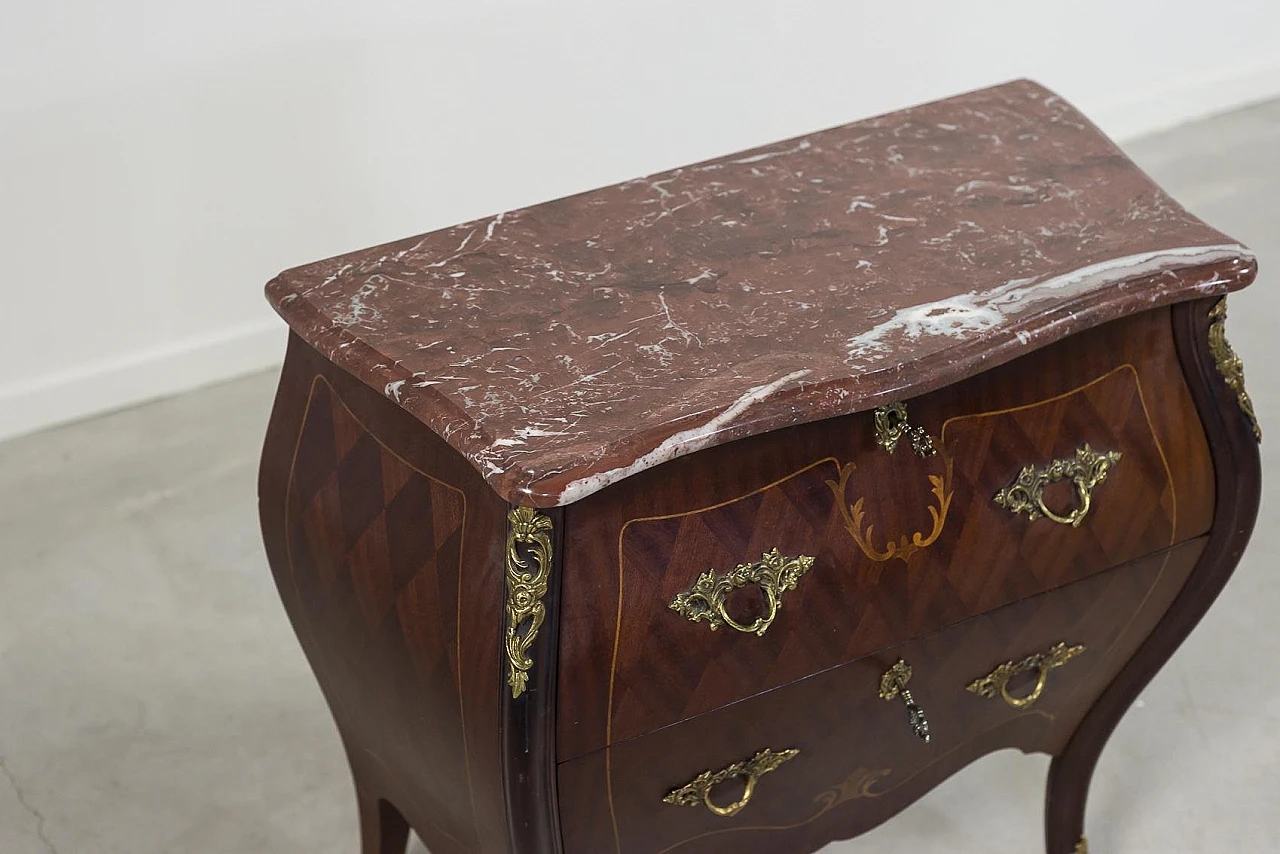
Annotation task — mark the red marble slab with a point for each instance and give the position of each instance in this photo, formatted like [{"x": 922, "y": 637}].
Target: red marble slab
[{"x": 565, "y": 346}]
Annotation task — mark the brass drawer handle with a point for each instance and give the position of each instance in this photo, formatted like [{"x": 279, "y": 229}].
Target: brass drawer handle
[
  {"x": 1086, "y": 470},
  {"x": 893, "y": 684},
  {"x": 892, "y": 424},
  {"x": 997, "y": 682},
  {"x": 698, "y": 791},
  {"x": 774, "y": 574}
]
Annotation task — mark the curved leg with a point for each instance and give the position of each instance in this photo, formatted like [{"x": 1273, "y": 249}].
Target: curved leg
[
  {"x": 1235, "y": 456},
  {"x": 1065, "y": 801},
  {"x": 383, "y": 830}
]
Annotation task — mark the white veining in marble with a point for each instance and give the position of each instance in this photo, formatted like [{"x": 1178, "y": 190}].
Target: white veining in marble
[
  {"x": 567, "y": 345},
  {"x": 679, "y": 444},
  {"x": 977, "y": 312}
]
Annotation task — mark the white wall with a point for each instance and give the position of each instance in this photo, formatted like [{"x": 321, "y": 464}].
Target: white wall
[{"x": 160, "y": 159}]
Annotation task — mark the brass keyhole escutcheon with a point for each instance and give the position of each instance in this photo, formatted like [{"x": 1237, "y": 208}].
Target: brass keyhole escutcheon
[
  {"x": 892, "y": 425},
  {"x": 893, "y": 684}
]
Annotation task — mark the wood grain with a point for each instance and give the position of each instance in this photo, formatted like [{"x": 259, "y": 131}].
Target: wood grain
[
  {"x": 1239, "y": 490},
  {"x": 387, "y": 552},
  {"x": 630, "y": 664},
  {"x": 859, "y": 762}
]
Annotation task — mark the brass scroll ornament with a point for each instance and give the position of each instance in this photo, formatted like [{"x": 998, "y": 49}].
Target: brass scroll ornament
[
  {"x": 525, "y": 590},
  {"x": 774, "y": 574},
  {"x": 1229, "y": 364},
  {"x": 893, "y": 684},
  {"x": 699, "y": 790},
  {"x": 892, "y": 425},
  {"x": 997, "y": 682},
  {"x": 1086, "y": 470}
]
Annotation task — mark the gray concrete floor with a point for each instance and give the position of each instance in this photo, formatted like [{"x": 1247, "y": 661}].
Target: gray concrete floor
[{"x": 153, "y": 698}]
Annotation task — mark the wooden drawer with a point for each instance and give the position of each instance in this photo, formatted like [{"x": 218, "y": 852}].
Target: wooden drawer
[
  {"x": 858, "y": 761},
  {"x": 883, "y": 547}
]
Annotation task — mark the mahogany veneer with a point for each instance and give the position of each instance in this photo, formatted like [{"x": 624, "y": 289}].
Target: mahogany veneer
[
  {"x": 859, "y": 764},
  {"x": 620, "y": 636},
  {"x": 515, "y": 467}
]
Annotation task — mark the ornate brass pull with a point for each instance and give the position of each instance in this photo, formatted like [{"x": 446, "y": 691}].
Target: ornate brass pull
[
  {"x": 1086, "y": 470},
  {"x": 894, "y": 684},
  {"x": 997, "y": 682},
  {"x": 774, "y": 574},
  {"x": 892, "y": 425},
  {"x": 698, "y": 791}
]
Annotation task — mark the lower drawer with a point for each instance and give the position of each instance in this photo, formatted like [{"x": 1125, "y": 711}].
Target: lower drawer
[{"x": 856, "y": 761}]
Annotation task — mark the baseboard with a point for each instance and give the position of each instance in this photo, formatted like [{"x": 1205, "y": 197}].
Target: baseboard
[
  {"x": 1186, "y": 99},
  {"x": 70, "y": 395}
]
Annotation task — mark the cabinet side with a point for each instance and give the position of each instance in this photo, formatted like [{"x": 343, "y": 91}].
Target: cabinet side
[
  {"x": 387, "y": 550},
  {"x": 1214, "y": 375}
]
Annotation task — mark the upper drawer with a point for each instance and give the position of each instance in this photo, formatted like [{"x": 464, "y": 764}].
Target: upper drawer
[{"x": 675, "y": 601}]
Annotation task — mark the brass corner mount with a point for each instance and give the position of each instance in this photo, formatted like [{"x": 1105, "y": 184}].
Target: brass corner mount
[
  {"x": 1230, "y": 365},
  {"x": 528, "y": 531}
]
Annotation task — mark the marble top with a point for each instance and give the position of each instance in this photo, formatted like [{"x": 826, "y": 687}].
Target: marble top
[{"x": 565, "y": 346}]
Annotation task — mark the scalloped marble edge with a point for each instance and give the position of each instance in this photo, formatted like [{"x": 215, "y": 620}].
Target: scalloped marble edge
[
  {"x": 972, "y": 314},
  {"x": 978, "y": 311},
  {"x": 967, "y": 319}
]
